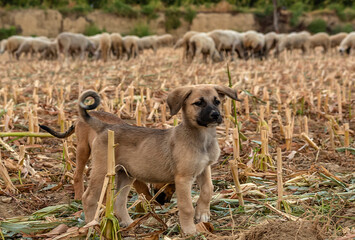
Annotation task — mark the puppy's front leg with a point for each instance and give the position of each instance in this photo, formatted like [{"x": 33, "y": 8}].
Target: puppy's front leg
[
  {"x": 203, "y": 203},
  {"x": 183, "y": 186}
]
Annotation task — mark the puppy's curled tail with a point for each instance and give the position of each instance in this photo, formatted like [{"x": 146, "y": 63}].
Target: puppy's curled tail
[
  {"x": 94, "y": 123},
  {"x": 66, "y": 134}
]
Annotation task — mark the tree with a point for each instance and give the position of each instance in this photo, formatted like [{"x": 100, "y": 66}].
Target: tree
[{"x": 276, "y": 18}]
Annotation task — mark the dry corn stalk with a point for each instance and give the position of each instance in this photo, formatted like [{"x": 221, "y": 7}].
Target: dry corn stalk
[
  {"x": 309, "y": 141},
  {"x": 331, "y": 134},
  {"x": 6, "y": 178},
  {"x": 234, "y": 166},
  {"x": 279, "y": 179},
  {"x": 263, "y": 160},
  {"x": 346, "y": 137}
]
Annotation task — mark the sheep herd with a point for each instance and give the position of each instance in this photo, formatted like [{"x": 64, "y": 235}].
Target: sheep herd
[{"x": 216, "y": 45}]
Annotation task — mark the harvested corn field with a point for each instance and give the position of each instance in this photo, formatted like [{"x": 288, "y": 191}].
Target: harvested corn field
[{"x": 287, "y": 156}]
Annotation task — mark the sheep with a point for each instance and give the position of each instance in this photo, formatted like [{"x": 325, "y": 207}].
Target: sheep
[
  {"x": 116, "y": 45},
  {"x": 348, "y": 44},
  {"x": 272, "y": 39},
  {"x": 3, "y": 44},
  {"x": 104, "y": 47},
  {"x": 292, "y": 41},
  {"x": 13, "y": 43},
  {"x": 184, "y": 43},
  {"x": 202, "y": 43},
  {"x": 71, "y": 42},
  {"x": 33, "y": 45},
  {"x": 336, "y": 39},
  {"x": 130, "y": 46},
  {"x": 51, "y": 51},
  {"x": 254, "y": 43},
  {"x": 148, "y": 42},
  {"x": 227, "y": 40},
  {"x": 165, "y": 40},
  {"x": 320, "y": 39},
  {"x": 95, "y": 39}
]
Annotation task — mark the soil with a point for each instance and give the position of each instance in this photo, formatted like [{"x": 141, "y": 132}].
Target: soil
[{"x": 281, "y": 230}]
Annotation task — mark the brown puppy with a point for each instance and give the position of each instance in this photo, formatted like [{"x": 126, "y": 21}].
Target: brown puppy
[
  {"x": 85, "y": 137},
  {"x": 177, "y": 155}
]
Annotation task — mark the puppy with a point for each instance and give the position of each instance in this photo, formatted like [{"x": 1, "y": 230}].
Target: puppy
[
  {"x": 85, "y": 137},
  {"x": 176, "y": 155}
]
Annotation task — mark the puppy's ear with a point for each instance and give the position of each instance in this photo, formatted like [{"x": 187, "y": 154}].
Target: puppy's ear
[
  {"x": 177, "y": 98},
  {"x": 230, "y": 92}
]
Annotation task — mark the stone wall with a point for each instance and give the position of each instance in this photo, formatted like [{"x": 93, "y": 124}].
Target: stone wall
[{"x": 51, "y": 22}]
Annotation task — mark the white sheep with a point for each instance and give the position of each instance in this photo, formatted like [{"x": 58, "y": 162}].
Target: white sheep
[
  {"x": 34, "y": 46},
  {"x": 3, "y": 44},
  {"x": 227, "y": 40},
  {"x": 202, "y": 43},
  {"x": 130, "y": 46},
  {"x": 165, "y": 40},
  {"x": 13, "y": 43},
  {"x": 336, "y": 39},
  {"x": 116, "y": 45},
  {"x": 348, "y": 44},
  {"x": 253, "y": 43},
  {"x": 95, "y": 39},
  {"x": 184, "y": 43},
  {"x": 272, "y": 39},
  {"x": 69, "y": 43},
  {"x": 293, "y": 41},
  {"x": 148, "y": 42},
  {"x": 320, "y": 40},
  {"x": 104, "y": 48}
]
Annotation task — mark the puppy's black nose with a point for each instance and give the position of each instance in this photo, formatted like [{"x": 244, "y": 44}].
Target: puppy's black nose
[{"x": 214, "y": 115}]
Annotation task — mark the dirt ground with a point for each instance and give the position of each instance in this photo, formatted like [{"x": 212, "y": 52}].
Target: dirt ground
[{"x": 318, "y": 184}]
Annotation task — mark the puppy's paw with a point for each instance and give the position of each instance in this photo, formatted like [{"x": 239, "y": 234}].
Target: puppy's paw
[
  {"x": 202, "y": 215},
  {"x": 189, "y": 230},
  {"x": 126, "y": 223}
]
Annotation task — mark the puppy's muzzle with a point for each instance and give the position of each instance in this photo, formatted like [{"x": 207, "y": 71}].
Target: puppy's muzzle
[{"x": 216, "y": 116}]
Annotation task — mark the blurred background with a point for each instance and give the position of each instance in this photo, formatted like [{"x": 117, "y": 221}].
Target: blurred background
[{"x": 147, "y": 17}]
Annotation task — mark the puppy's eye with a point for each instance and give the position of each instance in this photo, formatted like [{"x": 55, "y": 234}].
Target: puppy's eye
[
  {"x": 216, "y": 102},
  {"x": 198, "y": 103}
]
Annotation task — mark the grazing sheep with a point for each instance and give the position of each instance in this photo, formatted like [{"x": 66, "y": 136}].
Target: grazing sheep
[
  {"x": 320, "y": 40},
  {"x": 34, "y": 46},
  {"x": 148, "y": 42},
  {"x": 68, "y": 43},
  {"x": 348, "y": 44},
  {"x": 184, "y": 43},
  {"x": 292, "y": 41},
  {"x": 13, "y": 43},
  {"x": 116, "y": 45},
  {"x": 336, "y": 39},
  {"x": 130, "y": 46},
  {"x": 103, "y": 51},
  {"x": 253, "y": 43},
  {"x": 51, "y": 52},
  {"x": 3, "y": 44},
  {"x": 202, "y": 43},
  {"x": 227, "y": 40},
  {"x": 95, "y": 40},
  {"x": 165, "y": 40},
  {"x": 272, "y": 39}
]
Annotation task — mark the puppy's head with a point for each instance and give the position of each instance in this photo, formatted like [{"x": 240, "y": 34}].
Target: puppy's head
[{"x": 200, "y": 103}]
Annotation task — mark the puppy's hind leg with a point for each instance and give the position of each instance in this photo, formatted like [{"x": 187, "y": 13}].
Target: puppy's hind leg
[
  {"x": 204, "y": 181},
  {"x": 82, "y": 157},
  {"x": 92, "y": 193},
  {"x": 123, "y": 184}
]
